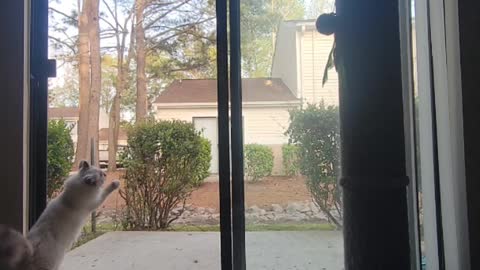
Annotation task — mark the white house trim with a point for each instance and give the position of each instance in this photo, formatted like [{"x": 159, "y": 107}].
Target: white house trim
[{"x": 250, "y": 104}]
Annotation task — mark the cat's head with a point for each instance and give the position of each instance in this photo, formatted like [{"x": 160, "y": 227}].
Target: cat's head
[
  {"x": 88, "y": 180},
  {"x": 91, "y": 175}
]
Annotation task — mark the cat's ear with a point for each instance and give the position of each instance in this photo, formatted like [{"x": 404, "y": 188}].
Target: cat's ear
[{"x": 83, "y": 165}]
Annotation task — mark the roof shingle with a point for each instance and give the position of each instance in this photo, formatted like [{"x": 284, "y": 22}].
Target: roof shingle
[
  {"x": 205, "y": 91},
  {"x": 65, "y": 112},
  {"x": 103, "y": 134}
]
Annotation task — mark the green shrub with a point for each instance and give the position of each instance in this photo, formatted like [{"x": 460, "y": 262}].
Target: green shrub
[
  {"x": 164, "y": 161},
  {"x": 315, "y": 130},
  {"x": 205, "y": 158},
  {"x": 60, "y": 154},
  {"x": 258, "y": 161},
  {"x": 291, "y": 162}
]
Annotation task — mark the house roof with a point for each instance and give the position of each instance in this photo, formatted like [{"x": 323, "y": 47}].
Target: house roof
[
  {"x": 103, "y": 134},
  {"x": 205, "y": 91},
  {"x": 65, "y": 112},
  {"x": 307, "y": 21}
]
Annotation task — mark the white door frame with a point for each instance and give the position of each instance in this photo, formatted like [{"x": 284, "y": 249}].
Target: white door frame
[{"x": 214, "y": 164}]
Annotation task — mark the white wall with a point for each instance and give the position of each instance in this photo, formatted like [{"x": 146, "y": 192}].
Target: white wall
[
  {"x": 103, "y": 119},
  {"x": 285, "y": 58},
  {"x": 315, "y": 49},
  {"x": 300, "y": 59},
  {"x": 266, "y": 125},
  {"x": 262, "y": 125}
]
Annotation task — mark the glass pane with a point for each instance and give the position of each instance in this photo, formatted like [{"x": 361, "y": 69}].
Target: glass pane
[
  {"x": 293, "y": 209},
  {"x": 155, "y": 62},
  {"x": 417, "y": 139},
  {"x": 424, "y": 132}
]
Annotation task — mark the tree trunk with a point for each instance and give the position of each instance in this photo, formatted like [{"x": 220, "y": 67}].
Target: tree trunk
[
  {"x": 114, "y": 128},
  {"x": 96, "y": 75},
  {"x": 141, "y": 106},
  {"x": 114, "y": 118},
  {"x": 84, "y": 83}
]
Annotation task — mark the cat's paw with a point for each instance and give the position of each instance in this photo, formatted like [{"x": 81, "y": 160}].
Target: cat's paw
[{"x": 115, "y": 184}]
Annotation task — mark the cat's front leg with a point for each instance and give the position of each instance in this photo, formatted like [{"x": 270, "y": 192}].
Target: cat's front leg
[{"x": 108, "y": 190}]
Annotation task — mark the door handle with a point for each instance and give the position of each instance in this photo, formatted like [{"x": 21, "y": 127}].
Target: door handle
[
  {"x": 326, "y": 23},
  {"x": 51, "y": 68}
]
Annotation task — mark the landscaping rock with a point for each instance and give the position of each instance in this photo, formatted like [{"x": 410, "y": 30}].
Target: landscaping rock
[
  {"x": 210, "y": 210},
  {"x": 306, "y": 209},
  {"x": 294, "y": 207},
  {"x": 303, "y": 212},
  {"x": 277, "y": 208},
  {"x": 320, "y": 215},
  {"x": 255, "y": 210},
  {"x": 314, "y": 207}
]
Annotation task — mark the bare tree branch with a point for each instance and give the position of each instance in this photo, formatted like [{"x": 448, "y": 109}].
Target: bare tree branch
[
  {"x": 63, "y": 42},
  {"x": 166, "y": 14},
  {"x": 181, "y": 26},
  {"x": 63, "y": 14},
  {"x": 109, "y": 23},
  {"x": 111, "y": 13}
]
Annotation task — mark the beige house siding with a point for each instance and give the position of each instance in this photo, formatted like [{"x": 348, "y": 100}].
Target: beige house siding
[
  {"x": 266, "y": 125},
  {"x": 262, "y": 125},
  {"x": 103, "y": 148},
  {"x": 315, "y": 49},
  {"x": 103, "y": 123},
  {"x": 185, "y": 114},
  {"x": 300, "y": 59}
]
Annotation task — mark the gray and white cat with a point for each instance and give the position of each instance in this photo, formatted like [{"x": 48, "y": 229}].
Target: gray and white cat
[
  {"x": 60, "y": 224},
  {"x": 15, "y": 251}
]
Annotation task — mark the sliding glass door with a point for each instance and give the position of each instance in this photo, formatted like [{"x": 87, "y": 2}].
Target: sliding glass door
[{"x": 271, "y": 115}]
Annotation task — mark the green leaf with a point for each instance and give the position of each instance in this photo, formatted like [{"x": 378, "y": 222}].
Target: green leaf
[{"x": 330, "y": 64}]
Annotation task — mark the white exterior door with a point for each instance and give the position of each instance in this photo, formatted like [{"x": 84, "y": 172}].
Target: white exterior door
[{"x": 208, "y": 127}]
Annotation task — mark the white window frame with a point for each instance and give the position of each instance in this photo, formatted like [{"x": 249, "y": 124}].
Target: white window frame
[
  {"x": 449, "y": 110},
  {"x": 441, "y": 121},
  {"x": 425, "y": 130}
]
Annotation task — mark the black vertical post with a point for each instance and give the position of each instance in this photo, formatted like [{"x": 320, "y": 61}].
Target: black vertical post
[
  {"x": 469, "y": 22},
  {"x": 223, "y": 136},
  {"x": 12, "y": 116},
  {"x": 372, "y": 136},
  {"x": 238, "y": 198},
  {"x": 39, "y": 70},
  {"x": 93, "y": 218}
]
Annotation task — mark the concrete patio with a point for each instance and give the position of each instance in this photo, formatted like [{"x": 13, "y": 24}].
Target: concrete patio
[{"x": 319, "y": 250}]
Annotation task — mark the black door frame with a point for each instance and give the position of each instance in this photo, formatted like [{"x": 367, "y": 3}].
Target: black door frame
[
  {"x": 373, "y": 163},
  {"x": 233, "y": 219},
  {"x": 232, "y": 206},
  {"x": 224, "y": 137},
  {"x": 238, "y": 193},
  {"x": 40, "y": 69}
]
